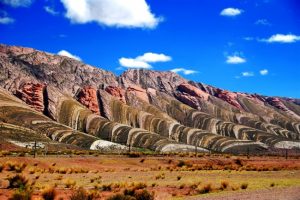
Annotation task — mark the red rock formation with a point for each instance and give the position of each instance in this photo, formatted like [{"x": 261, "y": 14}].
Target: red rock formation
[
  {"x": 116, "y": 92},
  {"x": 274, "y": 101},
  {"x": 32, "y": 94},
  {"x": 229, "y": 97},
  {"x": 188, "y": 100},
  {"x": 88, "y": 97},
  {"x": 193, "y": 91},
  {"x": 139, "y": 92}
]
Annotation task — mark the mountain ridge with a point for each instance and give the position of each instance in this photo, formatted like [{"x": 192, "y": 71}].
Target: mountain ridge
[{"x": 152, "y": 109}]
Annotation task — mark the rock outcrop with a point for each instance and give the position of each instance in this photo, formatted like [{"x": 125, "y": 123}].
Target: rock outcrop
[
  {"x": 116, "y": 92},
  {"x": 33, "y": 95},
  {"x": 88, "y": 97}
]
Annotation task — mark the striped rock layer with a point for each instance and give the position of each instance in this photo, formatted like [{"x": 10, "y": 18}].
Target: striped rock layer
[{"x": 47, "y": 97}]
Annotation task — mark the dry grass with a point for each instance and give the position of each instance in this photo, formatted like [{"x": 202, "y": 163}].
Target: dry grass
[
  {"x": 69, "y": 183},
  {"x": 172, "y": 176}
]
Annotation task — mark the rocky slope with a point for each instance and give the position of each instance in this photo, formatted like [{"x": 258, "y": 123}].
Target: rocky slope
[{"x": 53, "y": 97}]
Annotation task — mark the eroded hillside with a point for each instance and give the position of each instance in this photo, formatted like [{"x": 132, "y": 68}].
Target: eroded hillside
[{"x": 47, "y": 97}]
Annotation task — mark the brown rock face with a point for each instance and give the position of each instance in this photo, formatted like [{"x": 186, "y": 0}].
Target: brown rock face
[
  {"x": 32, "y": 94},
  {"x": 138, "y": 92},
  {"x": 193, "y": 91},
  {"x": 161, "y": 81},
  {"x": 20, "y": 65},
  {"x": 229, "y": 97},
  {"x": 116, "y": 92},
  {"x": 188, "y": 100},
  {"x": 88, "y": 97}
]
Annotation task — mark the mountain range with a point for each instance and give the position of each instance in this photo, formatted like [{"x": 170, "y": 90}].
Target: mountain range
[{"x": 61, "y": 101}]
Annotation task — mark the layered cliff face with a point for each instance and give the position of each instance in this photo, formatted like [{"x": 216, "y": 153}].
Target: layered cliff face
[{"x": 47, "y": 97}]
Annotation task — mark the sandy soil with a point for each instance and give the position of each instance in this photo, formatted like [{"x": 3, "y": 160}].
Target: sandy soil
[{"x": 169, "y": 177}]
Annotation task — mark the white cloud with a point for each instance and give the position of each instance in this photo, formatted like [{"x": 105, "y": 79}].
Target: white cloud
[
  {"x": 281, "y": 38},
  {"x": 6, "y": 20},
  {"x": 264, "y": 72},
  {"x": 247, "y": 74},
  {"x": 184, "y": 71},
  {"x": 144, "y": 60},
  {"x": 154, "y": 57},
  {"x": 113, "y": 13},
  {"x": 18, "y": 3},
  {"x": 263, "y": 22},
  {"x": 248, "y": 38},
  {"x": 230, "y": 12},
  {"x": 68, "y": 54},
  {"x": 235, "y": 59},
  {"x": 133, "y": 63},
  {"x": 50, "y": 10}
]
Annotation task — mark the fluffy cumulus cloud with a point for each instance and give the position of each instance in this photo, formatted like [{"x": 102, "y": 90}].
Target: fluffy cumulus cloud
[
  {"x": 6, "y": 20},
  {"x": 264, "y": 72},
  {"x": 184, "y": 71},
  {"x": 50, "y": 10},
  {"x": 247, "y": 74},
  {"x": 231, "y": 12},
  {"x": 18, "y": 3},
  {"x": 235, "y": 59},
  {"x": 154, "y": 57},
  {"x": 116, "y": 13},
  {"x": 144, "y": 60},
  {"x": 133, "y": 63},
  {"x": 68, "y": 54},
  {"x": 282, "y": 38}
]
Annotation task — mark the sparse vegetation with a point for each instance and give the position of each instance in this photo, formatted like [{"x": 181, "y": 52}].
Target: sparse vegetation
[
  {"x": 21, "y": 194},
  {"x": 69, "y": 183},
  {"x": 18, "y": 181},
  {"x": 82, "y": 194},
  {"x": 49, "y": 193},
  {"x": 224, "y": 185},
  {"x": 205, "y": 189},
  {"x": 130, "y": 194}
]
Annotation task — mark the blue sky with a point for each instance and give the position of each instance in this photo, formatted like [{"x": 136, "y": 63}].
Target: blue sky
[{"x": 247, "y": 45}]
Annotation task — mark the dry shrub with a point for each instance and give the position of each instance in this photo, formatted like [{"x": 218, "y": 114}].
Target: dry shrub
[
  {"x": 272, "y": 184},
  {"x": 18, "y": 181},
  {"x": 133, "y": 195},
  {"x": 69, "y": 183},
  {"x": 178, "y": 178},
  {"x": 160, "y": 176},
  {"x": 238, "y": 161},
  {"x": 234, "y": 187},
  {"x": 31, "y": 170},
  {"x": 82, "y": 194},
  {"x": 49, "y": 193},
  {"x": 244, "y": 186},
  {"x": 106, "y": 187},
  {"x": 62, "y": 170},
  {"x": 138, "y": 186},
  {"x": 205, "y": 189},
  {"x": 21, "y": 195},
  {"x": 11, "y": 166},
  {"x": 224, "y": 185}
]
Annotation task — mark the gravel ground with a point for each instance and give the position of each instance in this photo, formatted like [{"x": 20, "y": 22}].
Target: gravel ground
[{"x": 290, "y": 193}]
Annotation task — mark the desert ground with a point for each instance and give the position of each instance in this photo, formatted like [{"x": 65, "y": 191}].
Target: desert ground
[{"x": 180, "y": 176}]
